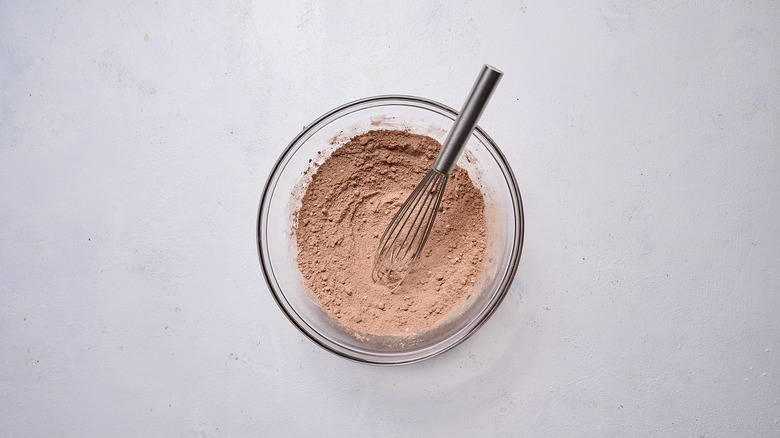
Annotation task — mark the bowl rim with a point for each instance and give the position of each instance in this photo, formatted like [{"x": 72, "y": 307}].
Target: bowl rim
[{"x": 508, "y": 276}]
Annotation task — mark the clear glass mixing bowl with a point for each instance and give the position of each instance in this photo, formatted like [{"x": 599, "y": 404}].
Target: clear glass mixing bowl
[{"x": 282, "y": 195}]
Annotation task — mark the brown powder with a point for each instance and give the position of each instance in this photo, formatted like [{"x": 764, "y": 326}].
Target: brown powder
[{"x": 346, "y": 207}]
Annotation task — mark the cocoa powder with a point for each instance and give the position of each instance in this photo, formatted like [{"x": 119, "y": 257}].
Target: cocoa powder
[{"x": 350, "y": 200}]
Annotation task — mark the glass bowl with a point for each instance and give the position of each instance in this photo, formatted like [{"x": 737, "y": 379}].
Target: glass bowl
[{"x": 286, "y": 185}]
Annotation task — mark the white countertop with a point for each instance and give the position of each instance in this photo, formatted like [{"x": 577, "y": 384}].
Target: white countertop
[{"x": 135, "y": 140}]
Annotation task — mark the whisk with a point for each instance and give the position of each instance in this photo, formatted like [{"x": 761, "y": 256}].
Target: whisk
[{"x": 404, "y": 238}]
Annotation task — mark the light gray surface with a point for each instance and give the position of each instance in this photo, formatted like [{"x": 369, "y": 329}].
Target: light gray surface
[{"x": 135, "y": 140}]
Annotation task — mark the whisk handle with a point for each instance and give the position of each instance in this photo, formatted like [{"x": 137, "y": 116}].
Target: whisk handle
[{"x": 467, "y": 119}]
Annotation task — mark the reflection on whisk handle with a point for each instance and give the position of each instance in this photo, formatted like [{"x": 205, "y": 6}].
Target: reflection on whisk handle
[{"x": 467, "y": 119}]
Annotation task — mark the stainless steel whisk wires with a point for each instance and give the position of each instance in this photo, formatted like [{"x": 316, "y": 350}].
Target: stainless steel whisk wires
[
  {"x": 404, "y": 238},
  {"x": 412, "y": 223}
]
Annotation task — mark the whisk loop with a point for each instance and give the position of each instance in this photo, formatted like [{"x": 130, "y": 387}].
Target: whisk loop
[{"x": 403, "y": 240}]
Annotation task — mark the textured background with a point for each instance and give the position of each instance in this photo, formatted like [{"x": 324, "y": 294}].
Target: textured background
[{"x": 135, "y": 140}]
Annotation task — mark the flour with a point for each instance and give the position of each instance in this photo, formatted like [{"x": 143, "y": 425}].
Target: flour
[{"x": 348, "y": 204}]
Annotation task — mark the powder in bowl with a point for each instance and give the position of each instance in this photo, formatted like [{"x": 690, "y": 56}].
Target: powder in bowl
[{"x": 346, "y": 207}]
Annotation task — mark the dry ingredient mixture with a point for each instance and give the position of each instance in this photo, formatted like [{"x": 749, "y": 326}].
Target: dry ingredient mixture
[{"x": 350, "y": 200}]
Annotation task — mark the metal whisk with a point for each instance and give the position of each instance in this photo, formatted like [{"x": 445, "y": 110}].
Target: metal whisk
[{"x": 403, "y": 240}]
